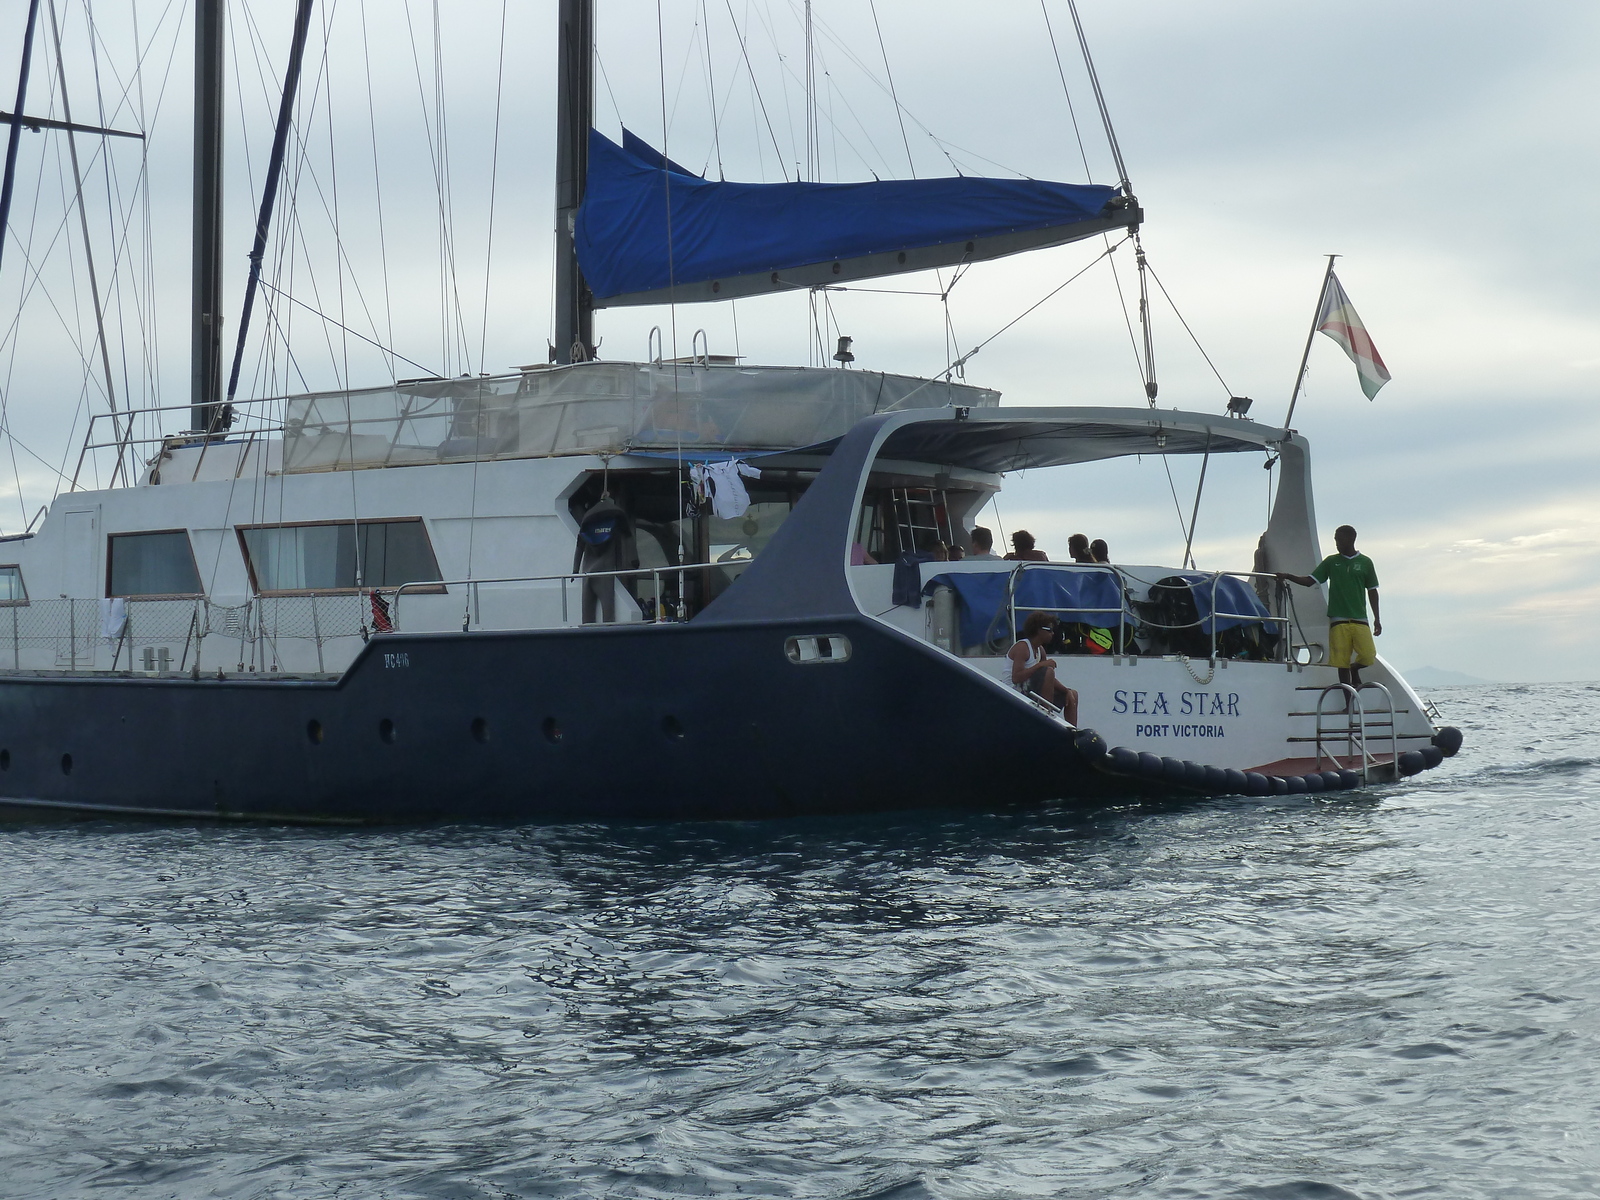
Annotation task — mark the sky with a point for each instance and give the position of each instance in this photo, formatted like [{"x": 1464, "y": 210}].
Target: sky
[{"x": 1446, "y": 151}]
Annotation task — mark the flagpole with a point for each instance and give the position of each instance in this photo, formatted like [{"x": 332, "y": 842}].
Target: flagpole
[{"x": 1300, "y": 377}]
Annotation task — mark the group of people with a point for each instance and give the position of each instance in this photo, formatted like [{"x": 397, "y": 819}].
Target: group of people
[
  {"x": 1025, "y": 549},
  {"x": 1352, "y": 586}
]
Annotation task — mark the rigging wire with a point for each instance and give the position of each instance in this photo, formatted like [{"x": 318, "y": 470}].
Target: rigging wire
[
  {"x": 488, "y": 263},
  {"x": 1150, "y": 386},
  {"x": 88, "y": 245},
  {"x": 1100, "y": 100},
  {"x": 346, "y": 329},
  {"x": 968, "y": 356},
  {"x": 1071, "y": 111},
  {"x": 899, "y": 113},
  {"x": 786, "y": 73},
  {"x": 744, "y": 51},
  {"x": 1146, "y": 362},
  {"x": 711, "y": 87},
  {"x": 1190, "y": 332},
  {"x": 672, "y": 298},
  {"x": 494, "y": 178},
  {"x": 377, "y": 185}
]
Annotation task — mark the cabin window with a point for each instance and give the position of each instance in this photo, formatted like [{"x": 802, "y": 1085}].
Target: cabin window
[
  {"x": 152, "y": 564},
  {"x": 12, "y": 591},
  {"x": 324, "y": 557}
]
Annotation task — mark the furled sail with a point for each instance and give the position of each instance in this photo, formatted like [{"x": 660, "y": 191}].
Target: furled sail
[{"x": 729, "y": 240}]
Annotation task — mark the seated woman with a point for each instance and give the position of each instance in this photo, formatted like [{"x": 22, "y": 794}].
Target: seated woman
[{"x": 1034, "y": 674}]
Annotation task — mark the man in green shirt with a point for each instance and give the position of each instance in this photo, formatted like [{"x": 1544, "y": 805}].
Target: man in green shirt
[{"x": 1352, "y": 581}]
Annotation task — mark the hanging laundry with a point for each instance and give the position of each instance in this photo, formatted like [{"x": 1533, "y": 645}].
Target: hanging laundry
[
  {"x": 381, "y": 621},
  {"x": 699, "y": 496},
  {"x": 727, "y": 492},
  {"x": 113, "y": 618}
]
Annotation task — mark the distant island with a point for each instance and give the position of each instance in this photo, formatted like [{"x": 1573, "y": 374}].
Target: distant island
[{"x": 1439, "y": 677}]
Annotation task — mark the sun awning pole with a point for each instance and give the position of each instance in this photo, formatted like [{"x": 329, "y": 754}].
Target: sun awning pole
[{"x": 1188, "y": 545}]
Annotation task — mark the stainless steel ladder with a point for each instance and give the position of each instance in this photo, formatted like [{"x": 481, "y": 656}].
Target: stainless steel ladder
[
  {"x": 1351, "y": 724},
  {"x": 921, "y": 511}
]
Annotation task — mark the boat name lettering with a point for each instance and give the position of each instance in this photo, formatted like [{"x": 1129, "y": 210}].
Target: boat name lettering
[
  {"x": 1197, "y": 704},
  {"x": 401, "y": 659},
  {"x": 1180, "y": 731}
]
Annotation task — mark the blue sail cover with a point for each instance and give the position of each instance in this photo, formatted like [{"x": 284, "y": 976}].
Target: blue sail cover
[{"x": 733, "y": 239}]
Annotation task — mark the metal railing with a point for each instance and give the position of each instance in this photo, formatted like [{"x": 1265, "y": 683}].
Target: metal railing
[
  {"x": 662, "y": 611},
  {"x": 122, "y": 430},
  {"x": 85, "y": 635},
  {"x": 1126, "y": 616},
  {"x": 1354, "y": 731}
]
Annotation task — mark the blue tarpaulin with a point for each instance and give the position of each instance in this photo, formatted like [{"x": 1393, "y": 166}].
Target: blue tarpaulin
[
  {"x": 1095, "y": 597},
  {"x": 1233, "y": 596},
  {"x": 723, "y": 230}
]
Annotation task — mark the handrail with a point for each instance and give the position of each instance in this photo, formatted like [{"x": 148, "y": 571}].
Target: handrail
[
  {"x": 472, "y": 585},
  {"x": 1122, "y": 604},
  {"x": 1124, "y": 613},
  {"x": 1356, "y": 726}
]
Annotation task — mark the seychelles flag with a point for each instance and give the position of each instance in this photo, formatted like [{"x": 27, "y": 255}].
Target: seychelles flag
[{"x": 1338, "y": 320}]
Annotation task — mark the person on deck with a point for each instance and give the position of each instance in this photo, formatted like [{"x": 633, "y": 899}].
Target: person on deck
[
  {"x": 1078, "y": 548},
  {"x": 1099, "y": 551},
  {"x": 1034, "y": 674},
  {"x": 1022, "y": 549},
  {"x": 1352, "y": 583},
  {"x": 982, "y": 544}
]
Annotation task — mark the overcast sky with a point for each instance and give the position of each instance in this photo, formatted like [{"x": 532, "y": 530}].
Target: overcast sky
[{"x": 1447, "y": 151}]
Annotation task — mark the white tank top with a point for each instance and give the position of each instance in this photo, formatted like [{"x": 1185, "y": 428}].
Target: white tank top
[{"x": 1035, "y": 656}]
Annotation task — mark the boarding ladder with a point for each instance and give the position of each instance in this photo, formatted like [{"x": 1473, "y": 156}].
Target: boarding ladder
[
  {"x": 1351, "y": 727},
  {"x": 921, "y": 511}
]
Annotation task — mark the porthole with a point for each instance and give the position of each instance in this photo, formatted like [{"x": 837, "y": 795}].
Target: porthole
[
  {"x": 552, "y": 730},
  {"x": 480, "y": 730},
  {"x": 386, "y": 731},
  {"x": 66, "y": 764},
  {"x": 314, "y": 732},
  {"x": 5, "y": 760},
  {"x": 672, "y": 727}
]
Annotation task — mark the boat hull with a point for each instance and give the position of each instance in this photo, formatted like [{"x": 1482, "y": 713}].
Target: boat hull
[{"x": 602, "y": 723}]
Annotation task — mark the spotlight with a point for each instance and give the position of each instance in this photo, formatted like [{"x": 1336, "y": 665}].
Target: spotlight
[{"x": 1238, "y": 405}]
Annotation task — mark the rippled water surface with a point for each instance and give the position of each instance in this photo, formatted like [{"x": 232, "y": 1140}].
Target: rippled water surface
[{"x": 1374, "y": 994}]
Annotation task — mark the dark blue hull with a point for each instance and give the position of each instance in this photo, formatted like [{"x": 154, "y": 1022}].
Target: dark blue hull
[{"x": 631, "y": 722}]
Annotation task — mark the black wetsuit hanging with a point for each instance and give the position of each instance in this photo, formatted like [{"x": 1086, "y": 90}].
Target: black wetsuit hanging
[{"x": 605, "y": 543}]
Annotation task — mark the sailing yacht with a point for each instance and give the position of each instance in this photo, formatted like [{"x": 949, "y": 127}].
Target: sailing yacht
[{"x": 677, "y": 588}]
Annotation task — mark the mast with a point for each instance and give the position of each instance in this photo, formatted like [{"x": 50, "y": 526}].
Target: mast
[
  {"x": 206, "y": 411},
  {"x": 10, "y": 177},
  {"x": 574, "y": 116}
]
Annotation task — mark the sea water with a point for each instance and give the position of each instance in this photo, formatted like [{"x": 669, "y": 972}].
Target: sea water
[{"x": 1386, "y": 993}]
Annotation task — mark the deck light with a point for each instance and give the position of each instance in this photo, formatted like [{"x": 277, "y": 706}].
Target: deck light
[
  {"x": 842, "y": 355},
  {"x": 1238, "y": 405}
]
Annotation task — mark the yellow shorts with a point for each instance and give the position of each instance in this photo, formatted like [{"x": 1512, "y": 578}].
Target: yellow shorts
[{"x": 1350, "y": 645}]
